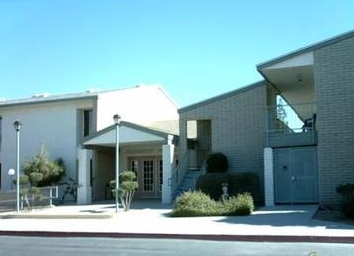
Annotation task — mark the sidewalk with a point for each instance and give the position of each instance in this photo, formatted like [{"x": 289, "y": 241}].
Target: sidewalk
[{"x": 150, "y": 219}]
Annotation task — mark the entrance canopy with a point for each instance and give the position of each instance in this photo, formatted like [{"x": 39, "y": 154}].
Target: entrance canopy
[{"x": 129, "y": 133}]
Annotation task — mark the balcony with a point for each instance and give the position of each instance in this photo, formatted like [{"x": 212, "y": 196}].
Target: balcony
[{"x": 291, "y": 125}]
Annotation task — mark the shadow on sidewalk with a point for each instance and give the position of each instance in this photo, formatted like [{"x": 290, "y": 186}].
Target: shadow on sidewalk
[{"x": 279, "y": 216}]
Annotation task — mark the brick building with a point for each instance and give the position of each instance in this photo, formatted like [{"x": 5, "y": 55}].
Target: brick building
[{"x": 295, "y": 128}]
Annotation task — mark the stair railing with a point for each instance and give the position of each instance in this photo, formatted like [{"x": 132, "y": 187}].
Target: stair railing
[{"x": 180, "y": 171}]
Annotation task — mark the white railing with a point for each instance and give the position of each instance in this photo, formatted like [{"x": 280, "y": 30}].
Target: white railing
[{"x": 46, "y": 193}]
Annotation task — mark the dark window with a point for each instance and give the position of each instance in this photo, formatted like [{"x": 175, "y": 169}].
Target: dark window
[
  {"x": 0, "y": 132},
  {"x": 88, "y": 122}
]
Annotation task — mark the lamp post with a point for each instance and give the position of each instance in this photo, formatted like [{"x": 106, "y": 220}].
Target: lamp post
[
  {"x": 116, "y": 119},
  {"x": 11, "y": 173},
  {"x": 17, "y": 126}
]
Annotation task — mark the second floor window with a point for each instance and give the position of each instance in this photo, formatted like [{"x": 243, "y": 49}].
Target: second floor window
[
  {"x": 88, "y": 122},
  {"x": 0, "y": 132}
]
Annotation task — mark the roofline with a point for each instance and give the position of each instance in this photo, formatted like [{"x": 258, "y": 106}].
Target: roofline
[
  {"x": 222, "y": 96},
  {"x": 161, "y": 88},
  {"x": 72, "y": 97},
  {"x": 306, "y": 49},
  {"x": 131, "y": 125},
  {"x": 48, "y": 99}
]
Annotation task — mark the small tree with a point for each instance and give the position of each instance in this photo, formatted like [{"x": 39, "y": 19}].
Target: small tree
[
  {"x": 127, "y": 188},
  {"x": 42, "y": 171}
]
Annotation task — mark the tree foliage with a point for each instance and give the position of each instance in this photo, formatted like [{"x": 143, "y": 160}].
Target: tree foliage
[
  {"x": 42, "y": 171},
  {"x": 216, "y": 163},
  {"x": 127, "y": 187}
]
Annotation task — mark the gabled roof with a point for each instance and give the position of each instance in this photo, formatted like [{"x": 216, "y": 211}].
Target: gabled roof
[
  {"x": 222, "y": 96},
  {"x": 129, "y": 133},
  {"x": 306, "y": 49}
]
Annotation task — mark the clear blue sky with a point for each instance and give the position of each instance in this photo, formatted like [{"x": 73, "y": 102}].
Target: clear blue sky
[{"x": 195, "y": 49}]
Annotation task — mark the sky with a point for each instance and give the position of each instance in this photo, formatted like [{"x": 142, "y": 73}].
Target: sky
[{"x": 194, "y": 49}]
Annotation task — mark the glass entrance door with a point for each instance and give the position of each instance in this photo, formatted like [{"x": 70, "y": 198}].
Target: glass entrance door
[{"x": 149, "y": 173}]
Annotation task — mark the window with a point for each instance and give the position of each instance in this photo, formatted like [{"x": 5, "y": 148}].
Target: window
[
  {"x": 88, "y": 122},
  {"x": 0, "y": 132},
  {"x": 148, "y": 172},
  {"x": 160, "y": 174}
]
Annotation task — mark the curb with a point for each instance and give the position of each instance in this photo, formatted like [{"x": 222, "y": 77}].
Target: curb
[
  {"x": 57, "y": 216},
  {"x": 240, "y": 238}
]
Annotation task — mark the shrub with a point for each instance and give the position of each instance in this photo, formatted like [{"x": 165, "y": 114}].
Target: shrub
[
  {"x": 42, "y": 171},
  {"x": 211, "y": 184},
  {"x": 127, "y": 188},
  {"x": 246, "y": 182},
  {"x": 238, "y": 183},
  {"x": 196, "y": 203},
  {"x": 347, "y": 192},
  {"x": 241, "y": 204},
  {"x": 216, "y": 162}
]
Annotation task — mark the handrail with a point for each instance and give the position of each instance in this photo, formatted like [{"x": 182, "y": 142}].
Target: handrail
[
  {"x": 180, "y": 171},
  {"x": 286, "y": 118},
  {"x": 52, "y": 193}
]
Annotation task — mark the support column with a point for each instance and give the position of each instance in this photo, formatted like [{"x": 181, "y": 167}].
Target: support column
[
  {"x": 268, "y": 177},
  {"x": 84, "y": 189},
  {"x": 167, "y": 160}
]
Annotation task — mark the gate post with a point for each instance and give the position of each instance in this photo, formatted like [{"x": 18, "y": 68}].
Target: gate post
[
  {"x": 268, "y": 177},
  {"x": 167, "y": 160},
  {"x": 84, "y": 188}
]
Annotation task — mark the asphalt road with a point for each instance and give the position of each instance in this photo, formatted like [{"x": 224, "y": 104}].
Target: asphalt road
[{"x": 55, "y": 246}]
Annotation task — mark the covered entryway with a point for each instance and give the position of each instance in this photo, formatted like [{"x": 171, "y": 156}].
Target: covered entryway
[
  {"x": 296, "y": 179},
  {"x": 148, "y": 152}
]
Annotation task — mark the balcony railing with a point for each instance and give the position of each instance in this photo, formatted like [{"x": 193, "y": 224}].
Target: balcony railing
[{"x": 291, "y": 125}]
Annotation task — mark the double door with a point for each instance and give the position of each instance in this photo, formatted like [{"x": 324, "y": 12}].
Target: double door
[
  {"x": 296, "y": 179},
  {"x": 149, "y": 176}
]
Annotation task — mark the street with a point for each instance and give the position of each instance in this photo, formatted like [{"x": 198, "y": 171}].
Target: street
[{"x": 55, "y": 246}]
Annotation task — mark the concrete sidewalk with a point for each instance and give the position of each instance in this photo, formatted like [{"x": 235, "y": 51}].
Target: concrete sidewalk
[{"x": 150, "y": 219}]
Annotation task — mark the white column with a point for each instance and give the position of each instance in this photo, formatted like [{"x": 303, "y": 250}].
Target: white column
[
  {"x": 268, "y": 177},
  {"x": 167, "y": 160},
  {"x": 84, "y": 189}
]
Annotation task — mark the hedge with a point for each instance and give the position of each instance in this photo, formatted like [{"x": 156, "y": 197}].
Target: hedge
[
  {"x": 238, "y": 183},
  {"x": 196, "y": 203}
]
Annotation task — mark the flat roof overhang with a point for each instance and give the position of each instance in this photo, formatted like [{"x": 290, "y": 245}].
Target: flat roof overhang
[{"x": 293, "y": 77}]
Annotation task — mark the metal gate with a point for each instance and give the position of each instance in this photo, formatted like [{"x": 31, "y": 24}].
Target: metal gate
[{"x": 296, "y": 178}]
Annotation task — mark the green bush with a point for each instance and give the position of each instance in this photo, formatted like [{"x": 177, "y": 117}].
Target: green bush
[
  {"x": 211, "y": 184},
  {"x": 241, "y": 204},
  {"x": 42, "y": 171},
  {"x": 246, "y": 182},
  {"x": 238, "y": 183},
  {"x": 196, "y": 203},
  {"x": 216, "y": 163},
  {"x": 347, "y": 192},
  {"x": 127, "y": 187}
]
